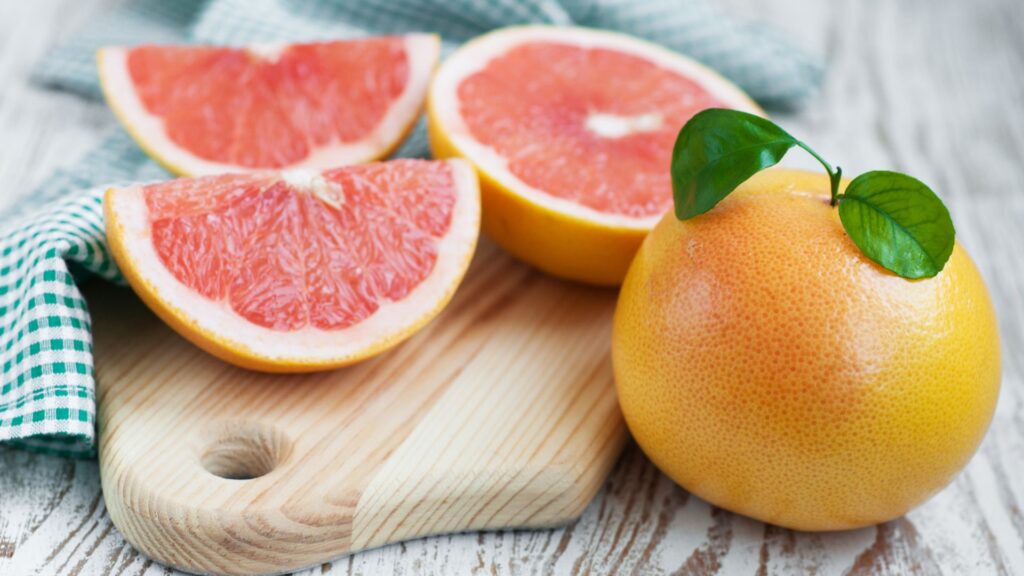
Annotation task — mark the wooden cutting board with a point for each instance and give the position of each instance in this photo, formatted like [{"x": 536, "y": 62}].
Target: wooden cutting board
[{"x": 501, "y": 413}]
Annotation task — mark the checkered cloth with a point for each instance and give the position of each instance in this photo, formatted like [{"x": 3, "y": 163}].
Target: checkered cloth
[{"x": 47, "y": 392}]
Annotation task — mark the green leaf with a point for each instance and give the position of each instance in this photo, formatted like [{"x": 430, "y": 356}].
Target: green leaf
[
  {"x": 898, "y": 222},
  {"x": 716, "y": 151}
]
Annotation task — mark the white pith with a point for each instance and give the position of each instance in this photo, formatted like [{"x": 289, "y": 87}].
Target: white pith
[
  {"x": 268, "y": 52},
  {"x": 475, "y": 55},
  {"x": 328, "y": 191},
  {"x": 615, "y": 126},
  {"x": 421, "y": 49},
  {"x": 391, "y": 321}
]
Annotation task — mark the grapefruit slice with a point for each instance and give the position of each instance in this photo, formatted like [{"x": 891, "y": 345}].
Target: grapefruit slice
[
  {"x": 296, "y": 271},
  {"x": 202, "y": 110},
  {"x": 571, "y": 131}
]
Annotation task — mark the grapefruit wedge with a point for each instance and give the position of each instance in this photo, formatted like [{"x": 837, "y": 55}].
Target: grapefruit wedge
[
  {"x": 202, "y": 110},
  {"x": 296, "y": 271},
  {"x": 571, "y": 131}
]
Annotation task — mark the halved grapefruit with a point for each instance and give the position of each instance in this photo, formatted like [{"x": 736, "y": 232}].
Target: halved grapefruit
[
  {"x": 296, "y": 271},
  {"x": 571, "y": 131},
  {"x": 202, "y": 110}
]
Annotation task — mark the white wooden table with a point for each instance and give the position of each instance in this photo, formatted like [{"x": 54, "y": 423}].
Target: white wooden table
[{"x": 933, "y": 88}]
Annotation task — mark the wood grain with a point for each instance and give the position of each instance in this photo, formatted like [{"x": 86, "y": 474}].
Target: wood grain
[
  {"x": 931, "y": 87},
  {"x": 501, "y": 413},
  {"x": 40, "y": 130}
]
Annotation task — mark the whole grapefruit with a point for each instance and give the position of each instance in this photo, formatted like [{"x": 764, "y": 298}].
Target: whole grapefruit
[{"x": 767, "y": 366}]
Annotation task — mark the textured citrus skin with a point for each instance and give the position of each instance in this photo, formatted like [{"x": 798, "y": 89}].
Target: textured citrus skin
[{"x": 769, "y": 367}]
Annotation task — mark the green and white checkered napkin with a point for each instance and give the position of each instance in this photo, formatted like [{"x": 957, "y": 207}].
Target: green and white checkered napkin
[{"x": 55, "y": 234}]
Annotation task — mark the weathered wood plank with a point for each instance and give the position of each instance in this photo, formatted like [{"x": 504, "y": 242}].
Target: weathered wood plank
[{"x": 40, "y": 129}]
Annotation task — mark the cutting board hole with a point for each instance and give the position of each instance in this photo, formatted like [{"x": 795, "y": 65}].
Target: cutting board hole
[{"x": 245, "y": 450}]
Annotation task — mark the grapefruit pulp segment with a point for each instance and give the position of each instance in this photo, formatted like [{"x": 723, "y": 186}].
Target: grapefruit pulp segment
[
  {"x": 203, "y": 110},
  {"x": 295, "y": 270}
]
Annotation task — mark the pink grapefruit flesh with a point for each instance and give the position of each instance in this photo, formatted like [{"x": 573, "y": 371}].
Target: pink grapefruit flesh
[
  {"x": 582, "y": 116},
  {"x": 602, "y": 142},
  {"x": 208, "y": 110},
  {"x": 299, "y": 270}
]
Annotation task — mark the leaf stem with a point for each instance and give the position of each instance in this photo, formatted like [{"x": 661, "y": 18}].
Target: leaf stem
[{"x": 834, "y": 176}]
